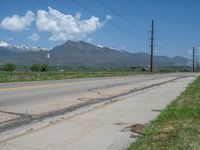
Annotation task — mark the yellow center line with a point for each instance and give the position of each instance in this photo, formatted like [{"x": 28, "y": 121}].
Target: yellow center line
[{"x": 47, "y": 85}]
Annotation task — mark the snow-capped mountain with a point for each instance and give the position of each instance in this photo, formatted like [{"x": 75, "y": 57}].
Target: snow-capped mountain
[
  {"x": 4, "y": 44},
  {"x": 80, "y": 53},
  {"x": 20, "y": 48}
]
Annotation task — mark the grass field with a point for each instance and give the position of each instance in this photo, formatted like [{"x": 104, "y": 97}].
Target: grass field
[
  {"x": 177, "y": 127},
  {"x": 56, "y": 75},
  {"x": 23, "y": 73}
]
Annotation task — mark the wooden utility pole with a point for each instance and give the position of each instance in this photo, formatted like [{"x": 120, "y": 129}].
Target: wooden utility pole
[
  {"x": 197, "y": 63},
  {"x": 193, "y": 59},
  {"x": 152, "y": 46}
]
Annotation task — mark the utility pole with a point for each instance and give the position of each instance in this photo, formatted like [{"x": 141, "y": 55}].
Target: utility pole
[
  {"x": 193, "y": 59},
  {"x": 197, "y": 63},
  {"x": 152, "y": 46}
]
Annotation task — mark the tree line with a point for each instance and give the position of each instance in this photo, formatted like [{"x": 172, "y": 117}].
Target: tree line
[{"x": 10, "y": 67}]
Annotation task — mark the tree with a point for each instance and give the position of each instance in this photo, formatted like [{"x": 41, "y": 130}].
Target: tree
[
  {"x": 44, "y": 67},
  {"x": 9, "y": 67},
  {"x": 35, "y": 67}
]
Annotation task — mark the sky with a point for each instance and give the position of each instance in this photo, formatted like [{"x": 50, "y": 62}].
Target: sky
[{"x": 123, "y": 24}]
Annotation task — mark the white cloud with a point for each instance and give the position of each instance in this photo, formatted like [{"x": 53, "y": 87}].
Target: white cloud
[
  {"x": 17, "y": 23},
  {"x": 108, "y": 17},
  {"x": 64, "y": 26},
  {"x": 34, "y": 37}
]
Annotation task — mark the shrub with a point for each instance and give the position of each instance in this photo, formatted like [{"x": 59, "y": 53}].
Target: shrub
[
  {"x": 40, "y": 67},
  {"x": 9, "y": 67},
  {"x": 35, "y": 67}
]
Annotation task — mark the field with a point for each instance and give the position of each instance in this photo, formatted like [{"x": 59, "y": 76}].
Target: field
[
  {"x": 25, "y": 74},
  {"x": 68, "y": 74},
  {"x": 177, "y": 127}
]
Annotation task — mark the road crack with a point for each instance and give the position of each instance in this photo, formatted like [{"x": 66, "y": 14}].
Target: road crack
[{"x": 25, "y": 119}]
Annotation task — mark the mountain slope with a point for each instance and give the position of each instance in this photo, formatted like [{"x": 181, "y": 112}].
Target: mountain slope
[{"x": 80, "y": 53}]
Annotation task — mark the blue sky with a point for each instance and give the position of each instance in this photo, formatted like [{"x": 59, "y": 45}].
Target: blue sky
[{"x": 115, "y": 23}]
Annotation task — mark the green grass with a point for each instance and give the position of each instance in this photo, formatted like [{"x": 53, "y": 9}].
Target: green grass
[
  {"x": 55, "y": 75},
  {"x": 177, "y": 127}
]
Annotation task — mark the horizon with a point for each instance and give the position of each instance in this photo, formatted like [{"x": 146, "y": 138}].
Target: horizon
[{"x": 119, "y": 24}]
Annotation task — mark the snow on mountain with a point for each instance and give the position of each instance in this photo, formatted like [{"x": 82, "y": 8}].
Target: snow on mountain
[
  {"x": 4, "y": 44},
  {"x": 113, "y": 48},
  {"x": 22, "y": 47},
  {"x": 37, "y": 48},
  {"x": 100, "y": 46},
  {"x": 117, "y": 49}
]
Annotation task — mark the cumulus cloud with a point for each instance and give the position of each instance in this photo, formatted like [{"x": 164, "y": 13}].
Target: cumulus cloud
[
  {"x": 34, "y": 37},
  {"x": 64, "y": 26},
  {"x": 17, "y": 23}
]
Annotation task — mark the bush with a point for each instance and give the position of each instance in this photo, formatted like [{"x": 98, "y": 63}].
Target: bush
[
  {"x": 9, "y": 67},
  {"x": 35, "y": 67},
  {"x": 44, "y": 67},
  {"x": 40, "y": 67}
]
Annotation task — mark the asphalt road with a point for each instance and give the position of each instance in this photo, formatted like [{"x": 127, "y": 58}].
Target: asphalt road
[
  {"x": 21, "y": 103},
  {"x": 136, "y": 100}
]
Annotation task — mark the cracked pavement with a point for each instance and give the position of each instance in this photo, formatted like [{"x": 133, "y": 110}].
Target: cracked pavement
[
  {"x": 22, "y": 103},
  {"x": 136, "y": 100}
]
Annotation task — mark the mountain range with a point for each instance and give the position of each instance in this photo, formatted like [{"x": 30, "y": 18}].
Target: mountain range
[{"x": 80, "y": 53}]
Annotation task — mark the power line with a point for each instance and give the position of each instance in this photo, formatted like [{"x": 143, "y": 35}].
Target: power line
[
  {"x": 168, "y": 45},
  {"x": 91, "y": 11},
  {"x": 113, "y": 34},
  {"x": 172, "y": 43},
  {"x": 124, "y": 30},
  {"x": 117, "y": 26},
  {"x": 121, "y": 16},
  {"x": 131, "y": 10}
]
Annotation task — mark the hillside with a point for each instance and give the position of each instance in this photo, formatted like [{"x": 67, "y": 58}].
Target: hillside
[{"x": 80, "y": 53}]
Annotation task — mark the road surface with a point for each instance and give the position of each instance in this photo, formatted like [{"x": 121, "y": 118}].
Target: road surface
[{"x": 32, "y": 103}]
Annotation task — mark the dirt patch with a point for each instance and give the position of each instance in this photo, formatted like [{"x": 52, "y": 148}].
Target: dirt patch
[
  {"x": 136, "y": 128},
  {"x": 134, "y": 136}
]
